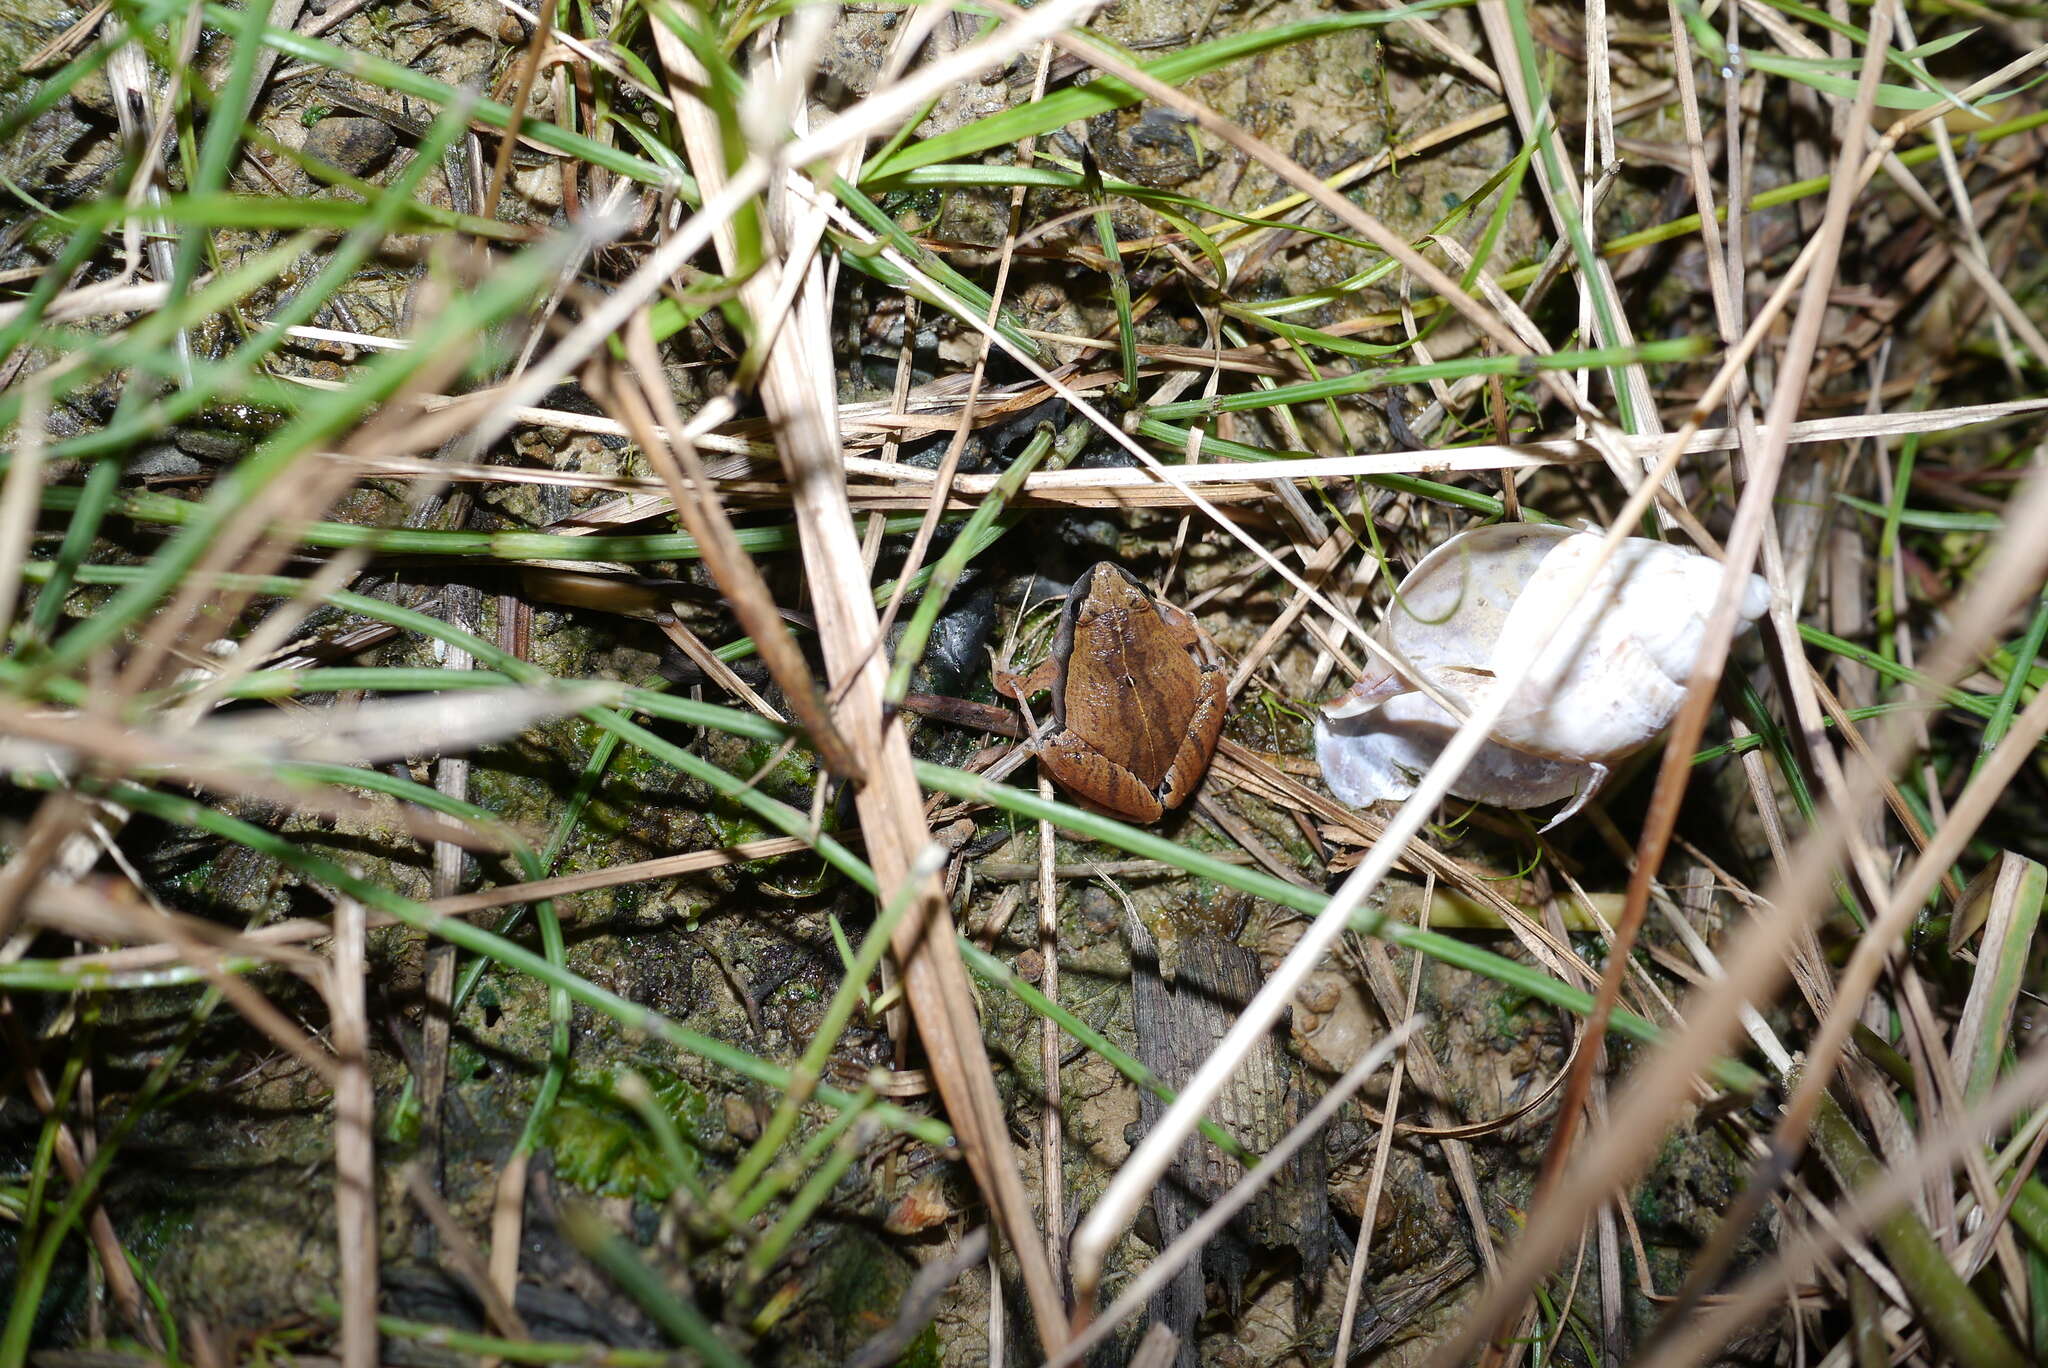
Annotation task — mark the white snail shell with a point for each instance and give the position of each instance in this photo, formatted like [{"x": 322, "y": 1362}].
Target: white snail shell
[{"x": 1606, "y": 678}]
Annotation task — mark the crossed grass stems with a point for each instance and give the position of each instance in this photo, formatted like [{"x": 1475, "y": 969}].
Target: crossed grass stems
[{"x": 228, "y": 547}]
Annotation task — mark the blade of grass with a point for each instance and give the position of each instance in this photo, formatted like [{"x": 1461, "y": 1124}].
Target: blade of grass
[
  {"x": 779, "y": 1178},
  {"x": 82, "y": 243},
  {"x": 1952, "y": 1312},
  {"x": 532, "y": 865},
  {"x": 402, "y": 80},
  {"x": 946, "y": 571},
  {"x": 838, "y": 1012},
  {"x": 993, "y": 970},
  {"x": 1663, "y": 350},
  {"x": 1012, "y": 126},
  {"x": 1975, "y": 704},
  {"x": 2028, "y": 651},
  {"x": 1984, "y": 1034},
  {"x": 35, "y": 1267},
  {"x": 931, "y": 263},
  {"x": 769, "y": 1249},
  {"x": 223, "y": 136},
  {"x": 1897, "y": 515},
  {"x": 613, "y": 1253},
  {"x": 91, "y": 357},
  {"x": 1119, "y": 283},
  {"x": 477, "y": 1346}
]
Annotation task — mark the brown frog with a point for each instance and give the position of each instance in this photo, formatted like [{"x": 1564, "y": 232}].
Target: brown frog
[{"x": 1138, "y": 695}]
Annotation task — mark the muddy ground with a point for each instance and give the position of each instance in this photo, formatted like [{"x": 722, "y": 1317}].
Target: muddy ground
[{"x": 224, "y": 1191}]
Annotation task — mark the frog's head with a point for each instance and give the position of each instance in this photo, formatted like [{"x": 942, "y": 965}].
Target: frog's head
[{"x": 1107, "y": 589}]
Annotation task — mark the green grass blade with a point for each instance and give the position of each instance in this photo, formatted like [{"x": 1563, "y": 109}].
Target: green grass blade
[
  {"x": 994, "y": 971},
  {"x": 1984, "y": 1034},
  {"x": 947, "y": 570},
  {"x": 618, "y": 1257},
  {"x": 401, "y": 80},
  {"x": 1924, "y": 519},
  {"x": 1596, "y": 284},
  {"x": 1359, "y": 382},
  {"x": 1119, "y": 283},
  {"x": 932, "y": 264},
  {"x": 223, "y": 137},
  {"x": 2029, "y": 650},
  {"x": 1975, "y": 704},
  {"x": 1061, "y": 107},
  {"x": 510, "y": 288}
]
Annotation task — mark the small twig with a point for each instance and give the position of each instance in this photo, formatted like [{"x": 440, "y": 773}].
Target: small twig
[
  {"x": 1369, "y": 1220},
  {"x": 522, "y": 91},
  {"x": 1051, "y": 1041}
]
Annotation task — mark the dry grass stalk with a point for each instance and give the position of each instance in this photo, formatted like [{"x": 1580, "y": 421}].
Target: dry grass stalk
[
  {"x": 1052, "y": 1188},
  {"x": 462, "y": 1255},
  {"x": 1122, "y": 486},
  {"x": 113, "y": 1256},
  {"x": 1615, "y": 1151},
  {"x": 795, "y": 382},
  {"x": 676, "y": 459},
  {"x": 1361, "y": 1256},
  {"x": 355, "y": 1156},
  {"x": 1744, "y": 542}
]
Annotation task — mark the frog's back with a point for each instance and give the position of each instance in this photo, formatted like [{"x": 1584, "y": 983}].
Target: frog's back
[{"x": 1130, "y": 687}]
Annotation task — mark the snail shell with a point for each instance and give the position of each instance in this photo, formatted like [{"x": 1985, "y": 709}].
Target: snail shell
[{"x": 1605, "y": 679}]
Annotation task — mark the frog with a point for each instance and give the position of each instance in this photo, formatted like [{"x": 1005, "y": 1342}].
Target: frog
[
  {"x": 1151, "y": 147},
  {"x": 1139, "y": 693}
]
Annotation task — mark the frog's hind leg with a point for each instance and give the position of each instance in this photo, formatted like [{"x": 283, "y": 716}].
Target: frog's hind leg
[
  {"x": 1197, "y": 748},
  {"x": 1099, "y": 785}
]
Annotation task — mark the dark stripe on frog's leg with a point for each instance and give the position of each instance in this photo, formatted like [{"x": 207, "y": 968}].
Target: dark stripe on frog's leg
[
  {"x": 1197, "y": 747},
  {"x": 1080, "y": 768}
]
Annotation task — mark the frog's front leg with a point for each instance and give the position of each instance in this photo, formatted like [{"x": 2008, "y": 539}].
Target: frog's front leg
[
  {"x": 1045, "y": 676},
  {"x": 1193, "y": 639}
]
